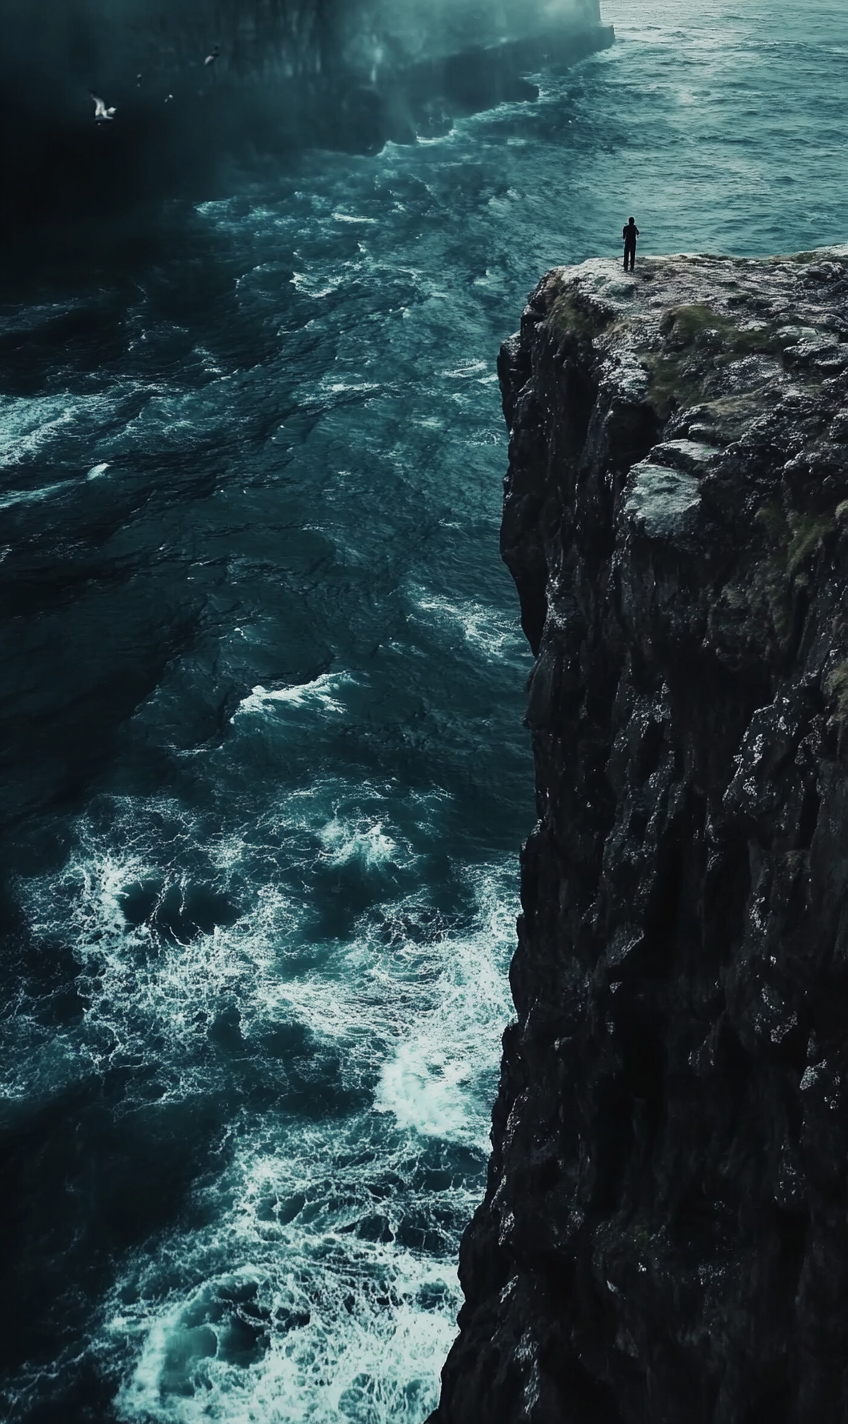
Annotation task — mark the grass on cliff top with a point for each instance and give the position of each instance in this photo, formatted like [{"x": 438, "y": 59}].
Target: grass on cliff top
[
  {"x": 670, "y": 386},
  {"x": 689, "y": 330},
  {"x": 567, "y": 315},
  {"x": 690, "y": 326}
]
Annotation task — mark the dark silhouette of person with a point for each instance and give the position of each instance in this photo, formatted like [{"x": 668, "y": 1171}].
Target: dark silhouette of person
[{"x": 630, "y": 234}]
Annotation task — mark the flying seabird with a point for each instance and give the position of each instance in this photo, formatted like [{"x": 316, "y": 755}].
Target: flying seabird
[
  {"x": 210, "y": 58},
  {"x": 100, "y": 110}
]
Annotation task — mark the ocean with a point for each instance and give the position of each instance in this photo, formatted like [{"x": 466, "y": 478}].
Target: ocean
[{"x": 265, "y": 775}]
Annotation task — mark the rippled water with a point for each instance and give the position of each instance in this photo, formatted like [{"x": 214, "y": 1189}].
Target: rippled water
[{"x": 264, "y": 774}]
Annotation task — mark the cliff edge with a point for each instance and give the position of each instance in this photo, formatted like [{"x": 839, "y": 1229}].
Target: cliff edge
[{"x": 664, "y": 1237}]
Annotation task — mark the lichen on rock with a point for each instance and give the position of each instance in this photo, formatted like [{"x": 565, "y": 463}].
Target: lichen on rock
[{"x": 664, "y": 1236}]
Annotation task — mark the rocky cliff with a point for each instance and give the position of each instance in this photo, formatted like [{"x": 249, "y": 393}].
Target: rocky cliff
[
  {"x": 664, "y": 1237},
  {"x": 283, "y": 74}
]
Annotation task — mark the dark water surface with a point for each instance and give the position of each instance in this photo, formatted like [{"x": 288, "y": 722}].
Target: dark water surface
[{"x": 264, "y": 773}]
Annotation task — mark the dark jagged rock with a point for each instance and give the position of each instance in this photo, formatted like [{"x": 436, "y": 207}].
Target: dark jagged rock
[{"x": 664, "y": 1237}]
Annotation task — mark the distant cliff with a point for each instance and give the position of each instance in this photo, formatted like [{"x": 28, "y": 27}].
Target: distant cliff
[
  {"x": 664, "y": 1237},
  {"x": 283, "y": 74}
]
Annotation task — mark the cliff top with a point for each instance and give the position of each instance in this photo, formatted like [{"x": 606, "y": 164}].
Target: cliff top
[
  {"x": 731, "y": 374},
  {"x": 694, "y": 330}
]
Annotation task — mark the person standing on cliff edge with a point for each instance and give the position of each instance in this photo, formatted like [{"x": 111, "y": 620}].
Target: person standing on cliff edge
[{"x": 630, "y": 234}]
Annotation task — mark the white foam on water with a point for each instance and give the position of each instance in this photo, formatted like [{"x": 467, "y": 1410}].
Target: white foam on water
[
  {"x": 419, "y": 1017},
  {"x": 316, "y": 1281},
  {"x": 355, "y": 1322},
  {"x": 353, "y": 218},
  {"x": 317, "y": 284},
  {"x": 209, "y": 361},
  {"x": 321, "y": 692},
  {"x": 29, "y": 423},
  {"x": 433, "y": 1080},
  {"x": 319, "y": 1373},
  {"x": 334, "y": 387},
  {"x": 38, "y": 1061},
  {"x": 150, "y": 992},
  {"x": 468, "y": 369},
  {"x": 423, "y": 1089},
  {"x": 214, "y": 414},
  {"x": 483, "y": 626},
  {"x": 347, "y": 1327},
  {"x": 408, "y": 996},
  {"x": 345, "y": 840}
]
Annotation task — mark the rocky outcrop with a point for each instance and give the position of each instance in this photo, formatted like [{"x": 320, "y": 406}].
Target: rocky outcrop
[{"x": 664, "y": 1237}]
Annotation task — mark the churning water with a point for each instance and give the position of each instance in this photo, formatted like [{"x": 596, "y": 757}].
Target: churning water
[{"x": 266, "y": 778}]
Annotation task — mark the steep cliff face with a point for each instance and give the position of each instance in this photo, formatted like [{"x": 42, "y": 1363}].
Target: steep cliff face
[
  {"x": 664, "y": 1238},
  {"x": 262, "y": 39}
]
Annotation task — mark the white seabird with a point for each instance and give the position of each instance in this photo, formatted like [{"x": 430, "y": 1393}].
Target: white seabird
[
  {"x": 100, "y": 110},
  {"x": 210, "y": 58}
]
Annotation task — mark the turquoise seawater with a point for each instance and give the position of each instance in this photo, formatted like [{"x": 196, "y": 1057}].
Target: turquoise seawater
[{"x": 266, "y": 778}]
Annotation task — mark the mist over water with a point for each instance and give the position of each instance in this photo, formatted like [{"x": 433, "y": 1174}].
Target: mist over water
[{"x": 265, "y": 778}]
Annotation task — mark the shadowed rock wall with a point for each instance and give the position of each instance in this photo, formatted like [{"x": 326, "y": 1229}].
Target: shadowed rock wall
[
  {"x": 288, "y": 74},
  {"x": 664, "y": 1237}
]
